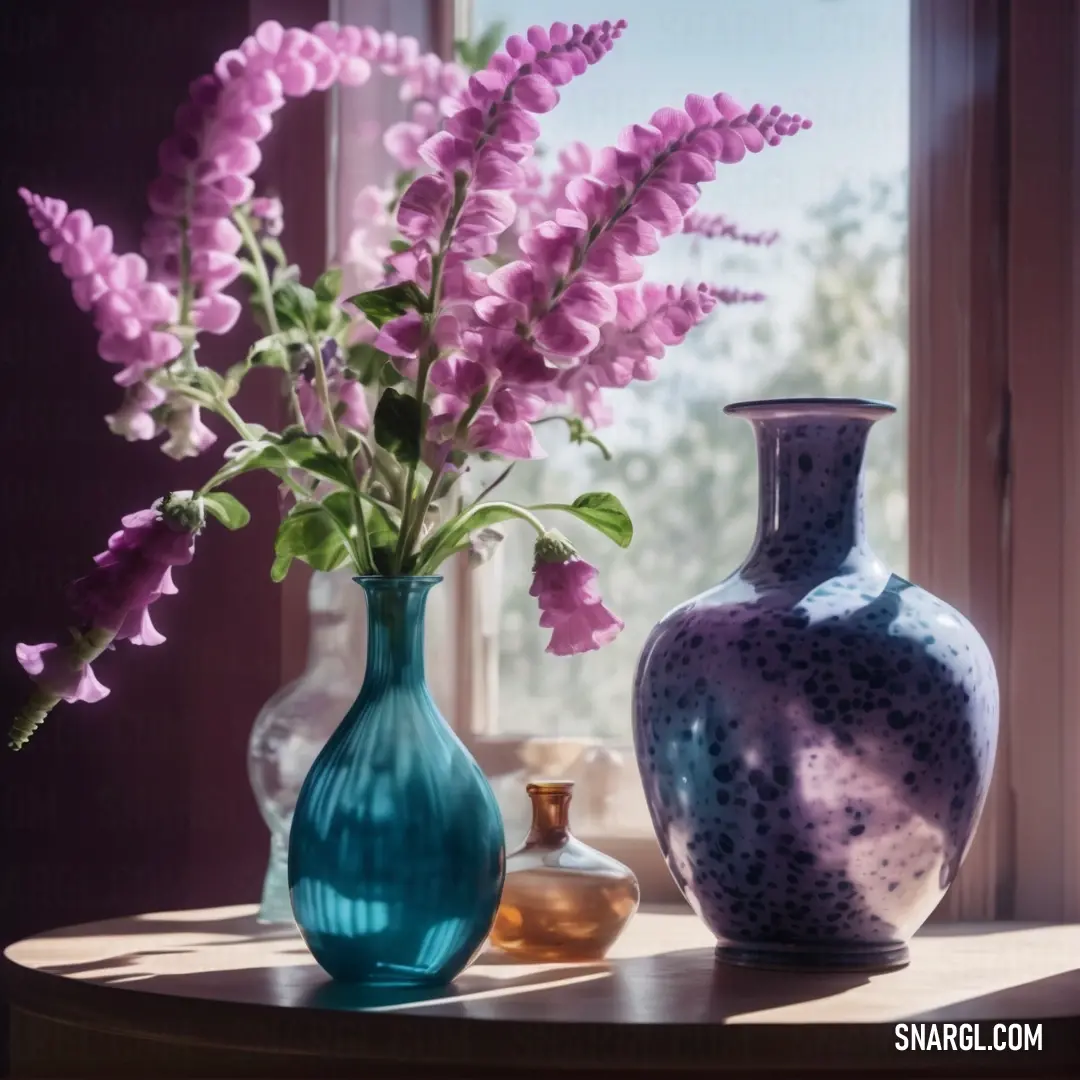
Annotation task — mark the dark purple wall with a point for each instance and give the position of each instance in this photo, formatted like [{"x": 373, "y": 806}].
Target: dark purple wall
[{"x": 140, "y": 802}]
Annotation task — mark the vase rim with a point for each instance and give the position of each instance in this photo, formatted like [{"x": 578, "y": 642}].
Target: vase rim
[
  {"x": 549, "y": 787},
  {"x": 390, "y": 580},
  {"x": 781, "y": 407}
]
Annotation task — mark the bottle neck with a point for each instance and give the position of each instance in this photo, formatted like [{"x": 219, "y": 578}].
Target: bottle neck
[
  {"x": 811, "y": 513},
  {"x": 329, "y": 640},
  {"x": 551, "y": 812},
  {"x": 395, "y": 622}
]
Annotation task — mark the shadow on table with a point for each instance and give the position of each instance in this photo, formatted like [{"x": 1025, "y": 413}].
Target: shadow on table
[
  {"x": 683, "y": 987},
  {"x": 245, "y": 926}
]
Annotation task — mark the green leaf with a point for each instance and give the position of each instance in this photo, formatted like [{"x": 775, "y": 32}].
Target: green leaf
[
  {"x": 328, "y": 287},
  {"x": 485, "y": 46},
  {"x": 311, "y": 452},
  {"x": 208, "y": 380},
  {"x": 463, "y": 48},
  {"x": 477, "y": 54},
  {"x": 328, "y": 318},
  {"x": 280, "y": 567},
  {"x": 283, "y": 275},
  {"x": 229, "y": 510},
  {"x": 382, "y": 305},
  {"x": 260, "y": 455},
  {"x": 310, "y": 532},
  {"x": 272, "y": 247},
  {"x": 273, "y": 350},
  {"x": 365, "y": 361},
  {"x": 295, "y": 305},
  {"x": 398, "y": 246},
  {"x": 383, "y": 522},
  {"x": 249, "y": 273},
  {"x": 398, "y": 425},
  {"x": 602, "y": 511}
]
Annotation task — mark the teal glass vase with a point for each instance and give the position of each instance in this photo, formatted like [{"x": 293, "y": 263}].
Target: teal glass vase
[{"x": 397, "y": 850}]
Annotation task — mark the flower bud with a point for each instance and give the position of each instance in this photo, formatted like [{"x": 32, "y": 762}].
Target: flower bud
[{"x": 553, "y": 547}]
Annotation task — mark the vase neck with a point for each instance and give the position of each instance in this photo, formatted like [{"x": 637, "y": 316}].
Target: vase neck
[
  {"x": 551, "y": 812},
  {"x": 332, "y": 610},
  {"x": 810, "y": 494},
  {"x": 395, "y": 649}
]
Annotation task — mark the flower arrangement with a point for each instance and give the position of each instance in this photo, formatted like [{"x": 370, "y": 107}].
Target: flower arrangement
[{"x": 483, "y": 300}]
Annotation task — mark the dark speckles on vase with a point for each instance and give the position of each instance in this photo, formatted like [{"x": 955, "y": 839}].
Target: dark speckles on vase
[{"x": 825, "y": 730}]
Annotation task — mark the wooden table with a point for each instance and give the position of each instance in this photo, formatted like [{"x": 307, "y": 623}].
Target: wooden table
[{"x": 212, "y": 993}]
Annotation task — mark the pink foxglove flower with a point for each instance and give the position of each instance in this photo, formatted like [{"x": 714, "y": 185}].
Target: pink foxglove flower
[
  {"x": 269, "y": 215},
  {"x": 135, "y": 571},
  {"x": 570, "y": 604},
  {"x": 368, "y": 246},
  {"x": 112, "y": 604},
  {"x": 642, "y": 188},
  {"x": 347, "y": 398},
  {"x": 130, "y": 313},
  {"x": 492, "y": 131},
  {"x": 188, "y": 434},
  {"x": 648, "y": 320},
  {"x": 57, "y": 672}
]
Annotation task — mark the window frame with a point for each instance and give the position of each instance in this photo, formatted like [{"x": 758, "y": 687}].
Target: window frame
[{"x": 994, "y": 432}]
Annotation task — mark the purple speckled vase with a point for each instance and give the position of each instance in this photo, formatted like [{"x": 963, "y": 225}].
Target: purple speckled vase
[{"x": 815, "y": 735}]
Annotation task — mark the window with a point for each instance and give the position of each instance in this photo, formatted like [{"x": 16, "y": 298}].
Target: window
[{"x": 835, "y": 321}]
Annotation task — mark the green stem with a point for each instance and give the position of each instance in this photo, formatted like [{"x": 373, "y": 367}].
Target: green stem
[
  {"x": 420, "y": 511},
  {"x": 365, "y": 539},
  {"x": 322, "y": 388},
  {"x": 186, "y": 359},
  {"x": 494, "y": 483},
  {"x": 430, "y": 355},
  {"x": 85, "y": 650},
  {"x": 266, "y": 298},
  {"x": 408, "y": 509},
  {"x": 223, "y": 408},
  {"x": 457, "y": 527}
]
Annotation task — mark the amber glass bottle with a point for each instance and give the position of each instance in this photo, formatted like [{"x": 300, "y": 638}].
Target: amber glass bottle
[{"x": 562, "y": 900}]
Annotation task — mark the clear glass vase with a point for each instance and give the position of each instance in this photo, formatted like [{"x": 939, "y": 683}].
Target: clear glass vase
[{"x": 295, "y": 724}]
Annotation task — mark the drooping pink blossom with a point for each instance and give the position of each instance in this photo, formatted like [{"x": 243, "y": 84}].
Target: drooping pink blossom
[
  {"x": 132, "y": 573},
  {"x": 571, "y": 607},
  {"x": 188, "y": 434},
  {"x": 56, "y": 671}
]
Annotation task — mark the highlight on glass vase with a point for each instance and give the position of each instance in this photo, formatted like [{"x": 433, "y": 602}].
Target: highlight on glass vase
[{"x": 491, "y": 298}]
